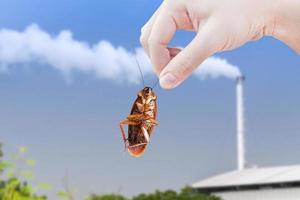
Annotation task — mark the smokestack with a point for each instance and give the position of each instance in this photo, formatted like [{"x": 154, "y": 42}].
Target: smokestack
[{"x": 241, "y": 161}]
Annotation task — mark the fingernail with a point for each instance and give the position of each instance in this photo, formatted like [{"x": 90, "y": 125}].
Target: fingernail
[{"x": 168, "y": 81}]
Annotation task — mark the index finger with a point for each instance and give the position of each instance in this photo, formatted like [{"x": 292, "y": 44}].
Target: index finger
[
  {"x": 146, "y": 30},
  {"x": 162, "y": 32}
]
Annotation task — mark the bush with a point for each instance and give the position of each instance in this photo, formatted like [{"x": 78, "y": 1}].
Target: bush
[
  {"x": 185, "y": 194},
  {"x": 11, "y": 186},
  {"x": 106, "y": 197}
]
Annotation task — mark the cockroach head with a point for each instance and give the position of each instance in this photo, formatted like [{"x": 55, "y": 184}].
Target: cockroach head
[{"x": 147, "y": 91}]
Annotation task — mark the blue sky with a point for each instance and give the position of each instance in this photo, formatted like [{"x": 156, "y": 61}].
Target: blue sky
[{"x": 72, "y": 126}]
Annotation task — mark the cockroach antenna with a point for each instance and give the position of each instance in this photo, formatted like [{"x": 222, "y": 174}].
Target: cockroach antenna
[
  {"x": 138, "y": 64},
  {"x": 141, "y": 73},
  {"x": 155, "y": 84}
]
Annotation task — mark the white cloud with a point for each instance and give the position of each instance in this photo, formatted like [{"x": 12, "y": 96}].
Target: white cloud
[{"x": 66, "y": 54}]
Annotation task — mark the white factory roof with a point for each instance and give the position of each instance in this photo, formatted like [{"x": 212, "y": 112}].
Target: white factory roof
[{"x": 252, "y": 176}]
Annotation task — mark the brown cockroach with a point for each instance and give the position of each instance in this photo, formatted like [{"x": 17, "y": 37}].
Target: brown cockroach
[{"x": 141, "y": 121}]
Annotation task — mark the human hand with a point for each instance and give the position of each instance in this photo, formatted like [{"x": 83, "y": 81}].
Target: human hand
[{"x": 220, "y": 25}]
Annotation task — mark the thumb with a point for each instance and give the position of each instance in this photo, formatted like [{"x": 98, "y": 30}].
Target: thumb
[{"x": 186, "y": 61}]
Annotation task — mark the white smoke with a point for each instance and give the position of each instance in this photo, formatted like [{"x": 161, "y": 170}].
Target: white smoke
[
  {"x": 67, "y": 54},
  {"x": 215, "y": 67}
]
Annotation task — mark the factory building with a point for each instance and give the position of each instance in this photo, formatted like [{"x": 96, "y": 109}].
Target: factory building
[
  {"x": 270, "y": 183},
  {"x": 274, "y": 183}
]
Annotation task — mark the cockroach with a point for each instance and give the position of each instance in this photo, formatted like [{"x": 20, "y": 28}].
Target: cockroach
[{"x": 141, "y": 121}]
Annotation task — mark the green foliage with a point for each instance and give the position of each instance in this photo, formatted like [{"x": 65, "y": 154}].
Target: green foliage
[
  {"x": 13, "y": 183},
  {"x": 185, "y": 194},
  {"x": 13, "y": 189},
  {"x": 106, "y": 197},
  {"x": 188, "y": 194}
]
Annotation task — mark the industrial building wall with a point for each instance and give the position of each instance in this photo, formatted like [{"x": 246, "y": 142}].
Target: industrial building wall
[{"x": 270, "y": 194}]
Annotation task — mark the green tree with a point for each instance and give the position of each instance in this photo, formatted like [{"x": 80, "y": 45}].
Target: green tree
[
  {"x": 158, "y": 195},
  {"x": 185, "y": 194},
  {"x": 106, "y": 197}
]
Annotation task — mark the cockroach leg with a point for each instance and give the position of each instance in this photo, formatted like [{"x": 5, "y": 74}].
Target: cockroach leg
[
  {"x": 153, "y": 121},
  {"x": 123, "y": 133},
  {"x": 135, "y": 117},
  {"x": 146, "y": 135},
  {"x": 128, "y": 122}
]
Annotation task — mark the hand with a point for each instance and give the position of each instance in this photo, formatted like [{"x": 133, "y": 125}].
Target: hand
[{"x": 220, "y": 25}]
